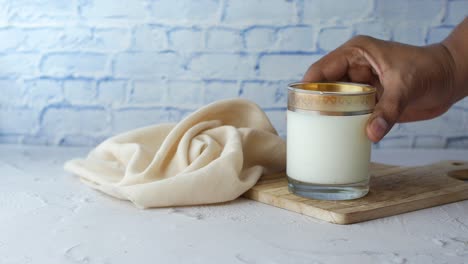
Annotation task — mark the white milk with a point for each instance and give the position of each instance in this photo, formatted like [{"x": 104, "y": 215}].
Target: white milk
[{"x": 327, "y": 149}]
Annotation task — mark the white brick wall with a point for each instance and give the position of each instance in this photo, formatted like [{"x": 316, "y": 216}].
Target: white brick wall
[
  {"x": 76, "y": 72},
  {"x": 331, "y": 38},
  {"x": 63, "y": 64}
]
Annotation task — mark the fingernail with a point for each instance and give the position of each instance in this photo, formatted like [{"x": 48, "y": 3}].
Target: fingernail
[{"x": 379, "y": 126}]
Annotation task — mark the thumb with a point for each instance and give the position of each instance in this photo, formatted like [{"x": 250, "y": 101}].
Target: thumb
[{"x": 386, "y": 114}]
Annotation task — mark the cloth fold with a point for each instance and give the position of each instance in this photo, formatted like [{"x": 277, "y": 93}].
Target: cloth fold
[{"x": 213, "y": 155}]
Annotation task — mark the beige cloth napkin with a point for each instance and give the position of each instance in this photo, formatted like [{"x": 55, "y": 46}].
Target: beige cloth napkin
[{"x": 214, "y": 155}]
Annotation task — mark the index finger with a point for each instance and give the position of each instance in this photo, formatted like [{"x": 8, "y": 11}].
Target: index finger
[{"x": 332, "y": 67}]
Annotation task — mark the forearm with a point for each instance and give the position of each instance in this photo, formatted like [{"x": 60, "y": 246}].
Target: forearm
[{"x": 457, "y": 45}]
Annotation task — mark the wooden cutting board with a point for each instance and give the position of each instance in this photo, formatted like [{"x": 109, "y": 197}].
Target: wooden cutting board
[{"x": 393, "y": 190}]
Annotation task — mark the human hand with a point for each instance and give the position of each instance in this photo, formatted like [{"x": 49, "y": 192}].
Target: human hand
[{"x": 413, "y": 83}]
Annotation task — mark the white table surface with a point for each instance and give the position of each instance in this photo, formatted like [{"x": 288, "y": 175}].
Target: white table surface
[{"x": 48, "y": 216}]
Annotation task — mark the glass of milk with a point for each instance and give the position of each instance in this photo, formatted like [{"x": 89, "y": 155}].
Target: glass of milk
[{"x": 328, "y": 152}]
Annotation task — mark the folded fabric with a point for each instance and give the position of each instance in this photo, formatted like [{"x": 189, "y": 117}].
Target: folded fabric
[{"x": 213, "y": 155}]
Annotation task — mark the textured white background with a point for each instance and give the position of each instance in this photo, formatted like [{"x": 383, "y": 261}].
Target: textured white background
[{"x": 74, "y": 72}]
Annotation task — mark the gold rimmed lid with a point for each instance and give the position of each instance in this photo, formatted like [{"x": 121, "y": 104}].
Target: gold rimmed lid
[{"x": 331, "y": 97}]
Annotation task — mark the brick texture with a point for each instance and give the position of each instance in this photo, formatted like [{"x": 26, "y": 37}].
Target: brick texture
[{"x": 76, "y": 72}]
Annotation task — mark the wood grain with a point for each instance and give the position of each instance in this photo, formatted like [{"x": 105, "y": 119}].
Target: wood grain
[{"x": 393, "y": 190}]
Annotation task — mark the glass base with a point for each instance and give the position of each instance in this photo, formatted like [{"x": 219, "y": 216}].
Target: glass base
[{"x": 328, "y": 192}]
